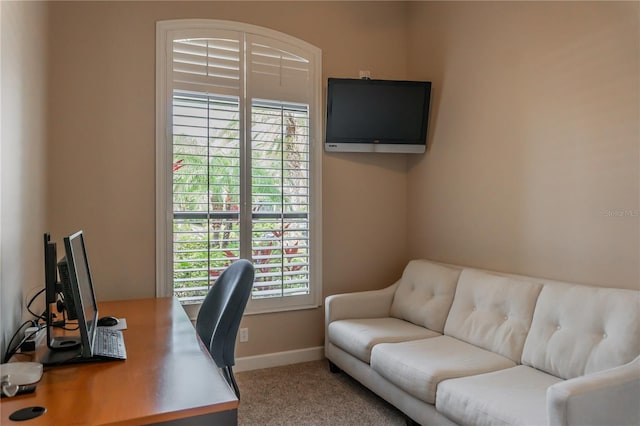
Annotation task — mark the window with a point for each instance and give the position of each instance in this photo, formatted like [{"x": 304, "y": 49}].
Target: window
[{"x": 238, "y": 161}]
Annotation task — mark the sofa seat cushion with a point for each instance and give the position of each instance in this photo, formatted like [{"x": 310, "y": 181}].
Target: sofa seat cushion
[
  {"x": 417, "y": 367},
  {"x": 359, "y": 336},
  {"x": 515, "y": 396}
]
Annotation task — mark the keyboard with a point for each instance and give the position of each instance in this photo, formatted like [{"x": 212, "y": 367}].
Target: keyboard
[{"x": 109, "y": 343}]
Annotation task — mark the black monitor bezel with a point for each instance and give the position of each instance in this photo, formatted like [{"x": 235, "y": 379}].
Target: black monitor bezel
[{"x": 341, "y": 143}]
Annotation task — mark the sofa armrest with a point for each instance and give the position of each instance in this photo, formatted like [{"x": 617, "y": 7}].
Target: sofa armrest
[
  {"x": 606, "y": 397},
  {"x": 364, "y": 304}
]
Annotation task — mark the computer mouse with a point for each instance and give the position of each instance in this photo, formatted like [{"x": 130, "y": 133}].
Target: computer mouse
[{"x": 107, "y": 321}]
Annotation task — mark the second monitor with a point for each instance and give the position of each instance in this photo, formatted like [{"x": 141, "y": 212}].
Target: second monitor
[{"x": 96, "y": 343}]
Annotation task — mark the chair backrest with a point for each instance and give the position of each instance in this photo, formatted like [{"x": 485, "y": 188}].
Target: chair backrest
[{"x": 222, "y": 309}]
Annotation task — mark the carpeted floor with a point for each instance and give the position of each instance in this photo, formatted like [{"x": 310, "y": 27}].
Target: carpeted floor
[{"x": 308, "y": 394}]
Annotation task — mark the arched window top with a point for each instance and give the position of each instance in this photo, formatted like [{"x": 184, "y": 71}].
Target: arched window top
[
  {"x": 184, "y": 27},
  {"x": 219, "y": 55}
]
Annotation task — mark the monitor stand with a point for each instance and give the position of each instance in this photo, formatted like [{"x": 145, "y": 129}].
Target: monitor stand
[
  {"x": 64, "y": 343},
  {"x": 57, "y": 357},
  {"x": 59, "y": 343}
]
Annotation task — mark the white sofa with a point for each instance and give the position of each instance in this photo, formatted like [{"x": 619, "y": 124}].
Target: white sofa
[{"x": 454, "y": 345}]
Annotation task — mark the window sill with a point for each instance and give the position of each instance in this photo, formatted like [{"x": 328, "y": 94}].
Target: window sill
[{"x": 192, "y": 309}]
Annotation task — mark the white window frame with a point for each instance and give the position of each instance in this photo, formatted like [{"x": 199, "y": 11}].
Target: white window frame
[{"x": 165, "y": 31}]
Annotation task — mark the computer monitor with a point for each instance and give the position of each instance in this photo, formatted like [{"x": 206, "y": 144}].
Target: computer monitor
[
  {"x": 78, "y": 279},
  {"x": 69, "y": 306},
  {"x": 51, "y": 292},
  {"x": 82, "y": 290}
]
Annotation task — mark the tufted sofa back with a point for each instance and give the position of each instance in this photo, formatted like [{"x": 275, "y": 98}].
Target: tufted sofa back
[
  {"x": 577, "y": 330},
  {"x": 425, "y": 293},
  {"x": 493, "y": 312}
]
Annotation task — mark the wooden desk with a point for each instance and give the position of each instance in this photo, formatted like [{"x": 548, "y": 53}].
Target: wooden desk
[{"x": 168, "y": 377}]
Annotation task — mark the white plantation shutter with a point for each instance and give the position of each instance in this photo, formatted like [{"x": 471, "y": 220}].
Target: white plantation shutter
[
  {"x": 243, "y": 111},
  {"x": 206, "y": 149},
  {"x": 208, "y": 65},
  {"x": 280, "y": 198},
  {"x": 278, "y": 70}
]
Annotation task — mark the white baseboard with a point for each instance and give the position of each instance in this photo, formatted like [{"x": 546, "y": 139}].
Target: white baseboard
[{"x": 277, "y": 359}]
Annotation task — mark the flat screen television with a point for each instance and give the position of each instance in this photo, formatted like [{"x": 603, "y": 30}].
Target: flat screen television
[{"x": 377, "y": 115}]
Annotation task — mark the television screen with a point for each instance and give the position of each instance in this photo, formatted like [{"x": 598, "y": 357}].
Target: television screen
[{"x": 377, "y": 115}]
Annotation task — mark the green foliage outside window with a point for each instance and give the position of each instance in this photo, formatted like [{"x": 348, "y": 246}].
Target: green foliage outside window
[{"x": 206, "y": 203}]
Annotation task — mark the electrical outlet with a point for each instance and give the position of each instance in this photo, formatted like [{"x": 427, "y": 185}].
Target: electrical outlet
[
  {"x": 365, "y": 74},
  {"x": 244, "y": 335}
]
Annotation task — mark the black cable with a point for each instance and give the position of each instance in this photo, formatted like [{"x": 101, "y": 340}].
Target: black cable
[
  {"x": 42, "y": 316},
  {"x": 25, "y": 338},
  {"x": 11, "y": 352},
  {"x": 34, "y": 323}
]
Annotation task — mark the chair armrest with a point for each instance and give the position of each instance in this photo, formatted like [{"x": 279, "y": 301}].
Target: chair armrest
[
  {"x": 607, "y": 397},
  {"x": 364, "y": 304}
]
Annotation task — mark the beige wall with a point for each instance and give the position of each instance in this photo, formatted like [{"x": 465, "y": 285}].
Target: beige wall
[
  {"x": 102, "y": 111},
  {"x": 533, "y": 146},
  {"x": 534, "y": 151},
  {"x": 23, "y": 146}
]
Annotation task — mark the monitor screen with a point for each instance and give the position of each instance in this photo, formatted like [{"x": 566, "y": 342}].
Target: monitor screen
[
  {"x": 377, "y": 115},
  {"x": 82, "y": 289}
]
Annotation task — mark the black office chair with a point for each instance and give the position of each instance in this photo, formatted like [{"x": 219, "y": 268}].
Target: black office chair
[{"x": 220, "y": 314}]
